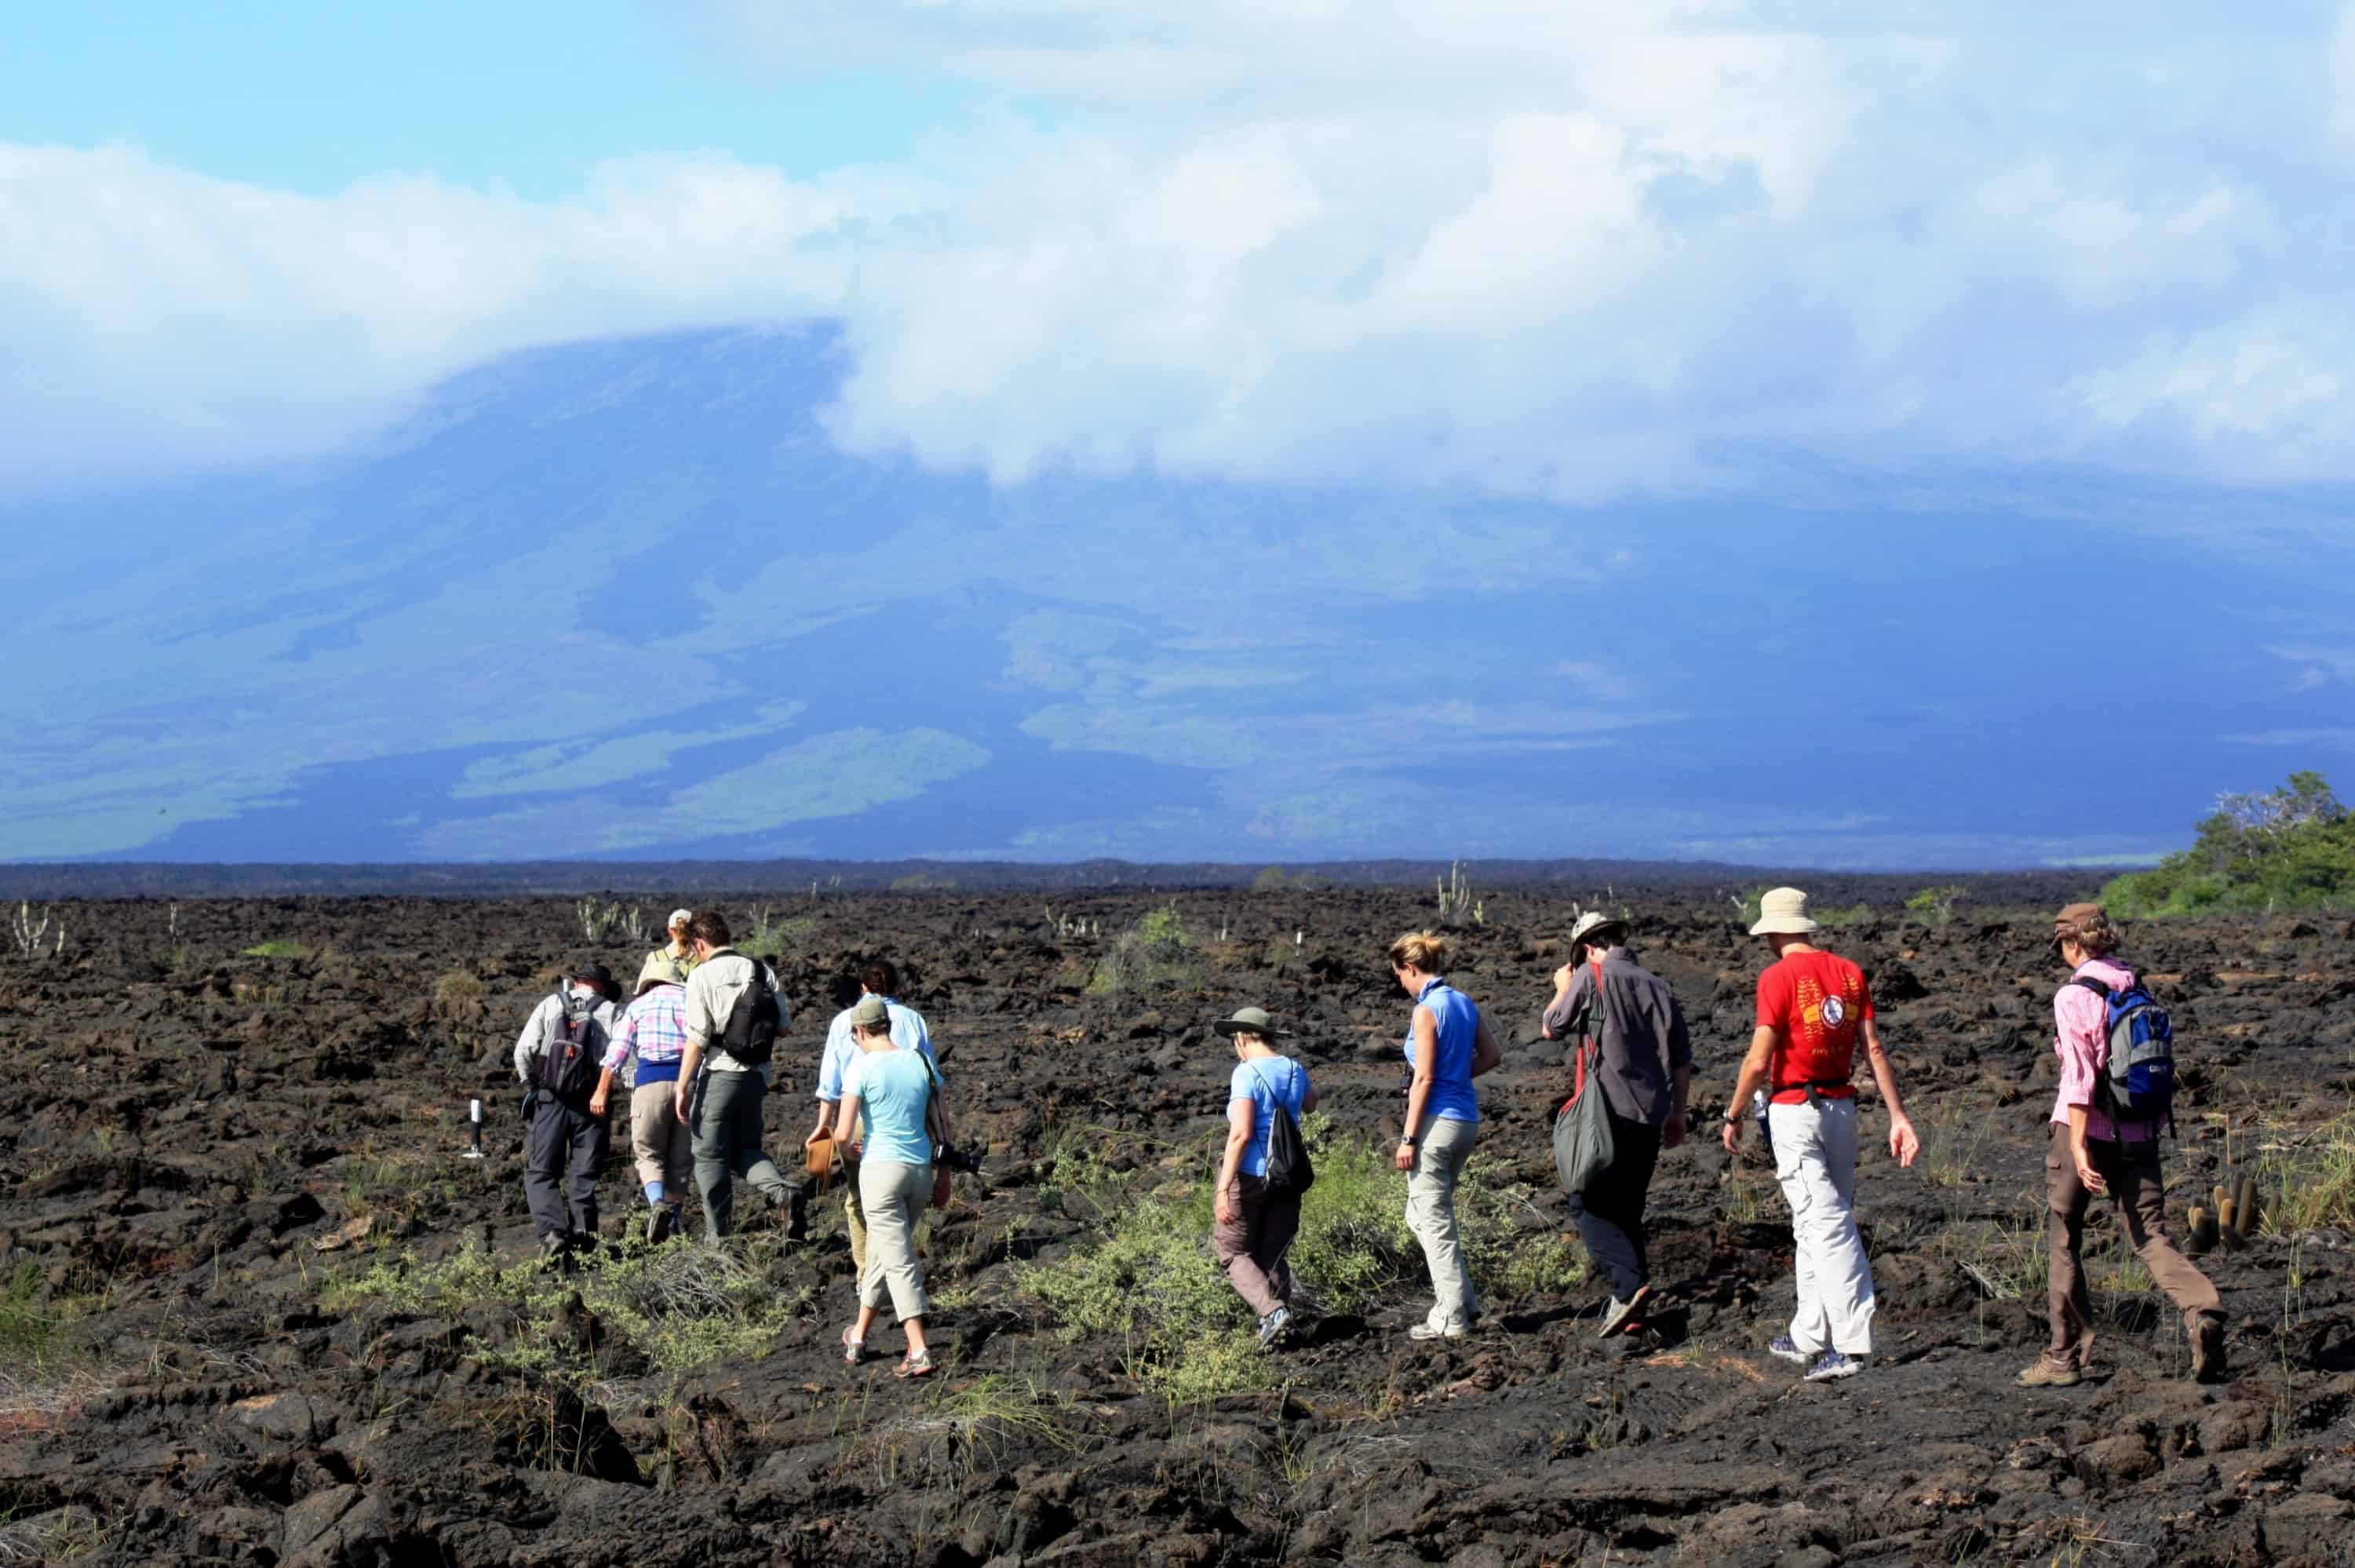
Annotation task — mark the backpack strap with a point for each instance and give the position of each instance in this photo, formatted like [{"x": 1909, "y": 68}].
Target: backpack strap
[{"x": 2098, "y": 987}]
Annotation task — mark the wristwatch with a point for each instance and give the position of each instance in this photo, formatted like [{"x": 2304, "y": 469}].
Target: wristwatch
[
  {"x": 1733, "y": 1118},
  {"x": 1407, "y": 1141}
]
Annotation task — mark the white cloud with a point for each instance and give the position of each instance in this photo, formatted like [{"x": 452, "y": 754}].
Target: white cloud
[{"x": 1508, "y": 245}]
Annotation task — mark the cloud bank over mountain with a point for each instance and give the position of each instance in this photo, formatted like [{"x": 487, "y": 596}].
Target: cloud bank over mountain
[
  {"x": 1508, "y": 248},
  {"x": 631, "y": 599}
]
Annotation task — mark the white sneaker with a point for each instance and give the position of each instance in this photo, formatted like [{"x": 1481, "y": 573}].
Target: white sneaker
[{"x": 1430, "y": 1330}]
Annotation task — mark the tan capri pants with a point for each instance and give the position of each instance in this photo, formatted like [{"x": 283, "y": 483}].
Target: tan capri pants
[
  {"x": 893, "y": 1196},
  {"x": 853, "y": 1221}
]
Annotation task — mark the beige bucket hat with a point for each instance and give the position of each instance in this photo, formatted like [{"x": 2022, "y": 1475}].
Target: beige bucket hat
[
  {"x": 1594, "y": 920},
  {"x": 1250, "y": 1020},
  {"x": 660, "y": 969},
  {"x": 1782, "y": 912}
]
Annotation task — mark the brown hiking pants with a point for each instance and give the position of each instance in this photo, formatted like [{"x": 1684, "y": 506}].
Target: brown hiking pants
[
  {"x": 2139, "y": 1192},
  {"x": 1251, "y": 1251}
]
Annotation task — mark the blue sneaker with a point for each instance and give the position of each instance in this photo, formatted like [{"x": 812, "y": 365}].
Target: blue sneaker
[
  {"x": 1783, "y": 1348},
  {"x": 1832, "y": 1364}
]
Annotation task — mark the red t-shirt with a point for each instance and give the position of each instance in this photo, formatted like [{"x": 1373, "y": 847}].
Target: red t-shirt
[{"x": 1817, "y": 1002}]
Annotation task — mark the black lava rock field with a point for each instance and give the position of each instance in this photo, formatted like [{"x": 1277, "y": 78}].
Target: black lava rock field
[{"x": 257, "y": 1308}]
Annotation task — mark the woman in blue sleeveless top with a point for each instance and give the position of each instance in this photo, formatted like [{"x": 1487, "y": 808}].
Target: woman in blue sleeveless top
[{"x": 1447, "y": 1046}]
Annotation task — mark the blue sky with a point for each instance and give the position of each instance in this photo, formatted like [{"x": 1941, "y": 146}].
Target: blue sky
[
  {"x": 525, "y": 95},
  {"x": 1565, "y": 388}
]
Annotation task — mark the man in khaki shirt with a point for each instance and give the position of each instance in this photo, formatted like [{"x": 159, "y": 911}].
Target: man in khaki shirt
[{"x": 720, "y": 1098}]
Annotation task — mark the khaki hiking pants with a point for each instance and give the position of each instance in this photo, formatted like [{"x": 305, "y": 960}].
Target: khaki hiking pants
[
  {"x": 1431, "y": 1215},
  {"x": 660, "y": 1146},
  {"x": 893, "y": 1196},
  {"x": 1814, "y": 1161},
  {"x": 2139, "y": 1192}
]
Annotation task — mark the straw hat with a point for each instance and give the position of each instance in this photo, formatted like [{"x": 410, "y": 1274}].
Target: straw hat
[
  {"x": 1594, "y": 920},
  {"x": 660, "y": 969},
  {"x": 1782, "y": 912}
]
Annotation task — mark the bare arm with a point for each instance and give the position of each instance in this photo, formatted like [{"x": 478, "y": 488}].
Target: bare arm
[
  {"x": 1486, "y": 1056},
  {"x": 1241, "y": 1121},
  {"x": 845, "y": 1121},
  {"x": 1903, "y": 1143},
  {"x": 1754, "y": 1068},
  {"x": 1426, "y": 1063},
  {"x": 1308, "y": 1098}
]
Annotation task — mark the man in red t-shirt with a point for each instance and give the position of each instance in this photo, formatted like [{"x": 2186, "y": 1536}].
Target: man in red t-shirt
[{"x": 1813, "y": 1007}]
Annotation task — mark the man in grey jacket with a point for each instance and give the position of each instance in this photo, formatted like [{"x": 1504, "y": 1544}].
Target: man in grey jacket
[
  {"x": 1644, "y": 1069},
  {"x": 565, "y": 1141},
  {"x": 720, "y": 1096}
]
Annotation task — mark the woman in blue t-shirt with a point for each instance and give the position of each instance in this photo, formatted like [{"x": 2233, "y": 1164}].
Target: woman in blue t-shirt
[
  {"x": 1255, "y": 1228},
  {"x": 1447, "y": 1046},
  {"x": 896, "y": 1094}
]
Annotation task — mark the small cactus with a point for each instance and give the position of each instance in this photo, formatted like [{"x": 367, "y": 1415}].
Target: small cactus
[
  {"x": 2204, "y": 1230},
  {"x": 2244, "y": 1203}
]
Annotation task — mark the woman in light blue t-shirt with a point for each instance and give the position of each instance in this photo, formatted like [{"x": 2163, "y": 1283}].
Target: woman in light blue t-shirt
[
  {"x": 893, "y": 1094},
  {"x": 1255, "y": 1228},
  {"x": 1447, "y": 1046}
]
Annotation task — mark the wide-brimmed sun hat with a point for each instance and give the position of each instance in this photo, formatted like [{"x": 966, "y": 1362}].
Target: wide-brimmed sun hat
[
  {"x": 1594, "y": 920},
  {"x": 597, "y": 975},
  {"x": 1251, "y": 1020},
  {"x": 660, "y": 969},
  {"x": 1782, "y": 912}
]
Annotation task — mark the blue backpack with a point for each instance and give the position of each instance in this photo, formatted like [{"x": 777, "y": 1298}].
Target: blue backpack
[{"x": 2139, "y": 1084}]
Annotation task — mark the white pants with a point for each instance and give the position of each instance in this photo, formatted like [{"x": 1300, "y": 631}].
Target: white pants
[
  {"x": 1815, "y": 1160},
  {"x": 1431, "y": 1215}
]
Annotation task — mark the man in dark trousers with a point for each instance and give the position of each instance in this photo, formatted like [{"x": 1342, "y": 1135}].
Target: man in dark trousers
[
  {"x": 1644, "y": 1068},
  {"x": 556, "y": 1057}
]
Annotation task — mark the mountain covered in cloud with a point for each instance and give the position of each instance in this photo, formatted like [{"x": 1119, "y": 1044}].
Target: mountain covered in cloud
[{"x": 631, "y": 600}]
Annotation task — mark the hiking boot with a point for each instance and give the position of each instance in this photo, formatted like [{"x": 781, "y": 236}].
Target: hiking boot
[
  {"x": 1272, "y": 1327},
  {"x": 1427, "y": 1330},
  {"x": 797, "y": 1215},
  {"x": 2207, "y": 1349},
  {"x": 661, "y": 1225},
  {"x": 1831, "y": 1364},
  {"x": 2046, "y": 1372},
  {"x": 556, "y": 1252},
  {"x": 1620, "y": 1314},
  {"x": 1783, "y": 1347}
]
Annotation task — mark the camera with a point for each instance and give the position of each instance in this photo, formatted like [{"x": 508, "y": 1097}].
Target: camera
[{"x": 955, "y": 1158}]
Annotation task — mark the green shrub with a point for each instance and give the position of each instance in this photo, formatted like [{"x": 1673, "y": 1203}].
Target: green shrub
[
  {"x": 458, "y": 986},
  {"x": 1156, "y": 952},
  {"x": 2292, "y": 849},
  {"x": 28, "y": 1329},
  {"x": 775, "y": 941},
  {"x": 1934, "y": 906},
  {"x": 681, "y": 1305},
  {"x": 279, "y": 948}
]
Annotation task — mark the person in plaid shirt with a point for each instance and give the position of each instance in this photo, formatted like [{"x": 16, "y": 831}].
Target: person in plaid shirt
[{"x": 654, "y": 1032}]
